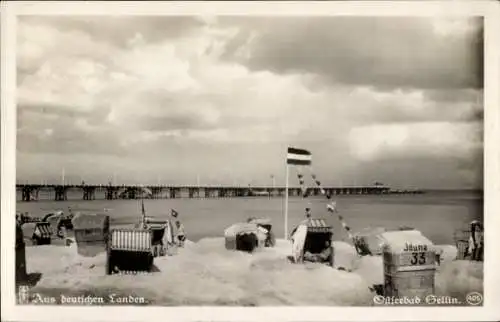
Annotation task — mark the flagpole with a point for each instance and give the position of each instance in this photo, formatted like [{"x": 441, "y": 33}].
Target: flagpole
[{"x": 286, "y": 202}]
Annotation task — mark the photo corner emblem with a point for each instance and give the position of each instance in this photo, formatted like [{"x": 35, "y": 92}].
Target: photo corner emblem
[
  {"x": 474, "y": 298},
  {"x": 23, "y": 294}
]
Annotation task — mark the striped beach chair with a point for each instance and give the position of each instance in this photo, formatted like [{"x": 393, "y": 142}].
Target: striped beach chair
[{"x": 129, "y": 250}]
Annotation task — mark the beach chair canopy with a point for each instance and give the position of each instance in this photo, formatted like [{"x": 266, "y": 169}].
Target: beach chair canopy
[
  {"x": 262, "y": 222},
  {"x": 318, "y": 226},
  {"x": 476, "y": 223},
  {"x": 240, "y": 229},
  {"x": 162, "y": 229},
  {"x": 47, "y": 216},
  {"x": 314, "y": 226},
  {"x": 396, "y": 241},
  {"x": 149, "y": 220},
  {"x": 55, "y": 220},
  {"x": 259, "y": 221},
  {"x": 244, "y": 236},
  {"x": 90, "y": 221}
]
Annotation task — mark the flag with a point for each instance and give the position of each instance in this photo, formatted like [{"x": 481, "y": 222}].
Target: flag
[
  {"x": 332, "y": 207},
  {"x": 298, "y": 157},
  {"x": 303, "y": 188},
  {"x": 174, "y": 213}
]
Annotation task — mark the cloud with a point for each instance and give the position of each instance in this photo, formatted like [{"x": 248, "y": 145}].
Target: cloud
[
  {"x": 225, "y": 97},
  {"x": 121, "y": 31},
  {"x": 434, "y": 139},
  {"x": 63, "y": 130},
  {"x": 383, "y": 52}
]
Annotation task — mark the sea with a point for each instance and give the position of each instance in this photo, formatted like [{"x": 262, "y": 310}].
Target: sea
[
  {"x": 205, "y": 273},
  {"x": 436, "y": 214}
]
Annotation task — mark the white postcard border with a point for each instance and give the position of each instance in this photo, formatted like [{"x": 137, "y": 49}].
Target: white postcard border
[{"x": 490, "y": 310}]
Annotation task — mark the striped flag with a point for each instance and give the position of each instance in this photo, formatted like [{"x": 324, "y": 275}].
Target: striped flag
[{"x": 298, "y": 157}]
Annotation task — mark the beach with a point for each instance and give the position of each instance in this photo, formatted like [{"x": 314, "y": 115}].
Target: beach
[{"x": 205, "y": 273}]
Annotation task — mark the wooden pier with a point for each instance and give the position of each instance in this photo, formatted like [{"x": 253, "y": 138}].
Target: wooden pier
[{"x": 31, "y": 192}]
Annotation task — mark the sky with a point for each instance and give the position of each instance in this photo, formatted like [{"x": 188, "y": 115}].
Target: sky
[{"x": 178, "y": 99}]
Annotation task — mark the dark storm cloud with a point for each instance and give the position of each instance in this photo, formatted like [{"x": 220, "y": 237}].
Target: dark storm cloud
[{"x": 384, "y": 52}]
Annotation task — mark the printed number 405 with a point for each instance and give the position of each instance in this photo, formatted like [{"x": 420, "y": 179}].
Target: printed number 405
[{"x": 417, "y": 258}]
